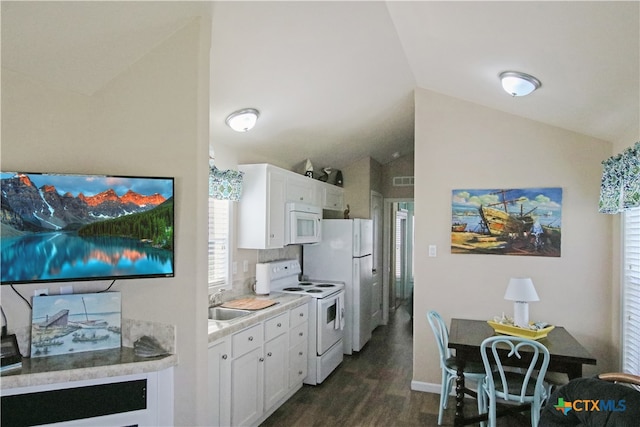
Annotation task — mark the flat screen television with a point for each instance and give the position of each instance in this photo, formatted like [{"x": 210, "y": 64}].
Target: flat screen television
[{"x": 67, "y": 227}]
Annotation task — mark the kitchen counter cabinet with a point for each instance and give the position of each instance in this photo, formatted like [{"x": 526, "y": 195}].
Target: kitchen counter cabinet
[
  {"x": 276, "y": 360},
  {"x": 250, "y": 368},
  {"x": 219, "y": 358}
]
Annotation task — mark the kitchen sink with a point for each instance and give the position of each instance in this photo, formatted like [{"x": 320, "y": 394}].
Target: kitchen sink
[{"x": 222, "y": 314}]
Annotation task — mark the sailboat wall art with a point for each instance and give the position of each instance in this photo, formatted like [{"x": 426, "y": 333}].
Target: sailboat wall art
[
  {"x": 68, "y": 324},
  {"x": 524, "y": 221}
]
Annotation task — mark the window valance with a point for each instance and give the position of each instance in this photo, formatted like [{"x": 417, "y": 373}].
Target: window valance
[
  {"x": 620, "y": 186},
  {"x": 225, "y": 185}
]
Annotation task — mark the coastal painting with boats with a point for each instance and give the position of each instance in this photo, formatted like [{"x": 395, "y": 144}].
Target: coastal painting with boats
[
  {"x": 66, "y": 324},
  {"x": 525, "y": 221}
]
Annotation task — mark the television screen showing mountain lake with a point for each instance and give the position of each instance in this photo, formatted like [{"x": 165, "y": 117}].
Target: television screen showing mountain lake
[{"x": 59, "y": 256}]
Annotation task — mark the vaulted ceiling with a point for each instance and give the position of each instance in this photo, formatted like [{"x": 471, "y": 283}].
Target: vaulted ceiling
[{"x": 334, "y": 80}]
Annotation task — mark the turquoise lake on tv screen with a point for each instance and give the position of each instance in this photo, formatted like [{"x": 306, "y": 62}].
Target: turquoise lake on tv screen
[{"x": 67, "y": 256}]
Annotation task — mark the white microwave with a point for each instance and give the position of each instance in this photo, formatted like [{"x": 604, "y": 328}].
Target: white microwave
[{"x": 303, "y": 224}]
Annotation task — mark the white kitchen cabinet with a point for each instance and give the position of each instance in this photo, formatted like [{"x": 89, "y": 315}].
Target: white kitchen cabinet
[
  {"x": 261, "y": 211},
  {"x": 255, "y": 370},
  {"x": 276, "y": 359},
  {"x": 219, "y": 402},
  {"x": 298, "y": 345},
  {"x": 302, "y": 189},
  {"x": 247, "y": 376},
  {"x": 332, "y": 197}
]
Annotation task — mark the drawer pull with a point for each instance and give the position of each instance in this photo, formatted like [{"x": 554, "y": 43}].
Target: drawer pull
[
  {"x": 261, "y": 359},
  {"x": 299, "y": 372},
  {"x": 250, "y": 338},
  {"x": 301, "y": 314},
  {"x": 279, "y": 325},
  {"x": 224, "y": 356},
  {"x": 301, "y": 334},
  {"x": 269, "y": 354},
  {"x": 300, "y": 353}
]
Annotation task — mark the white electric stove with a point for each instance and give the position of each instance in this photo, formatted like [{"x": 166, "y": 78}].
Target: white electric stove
[{"x": 326, "y": 313}]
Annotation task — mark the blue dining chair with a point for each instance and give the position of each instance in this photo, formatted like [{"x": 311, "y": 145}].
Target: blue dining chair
[
  {"x": 449, "y": 365},
  {"x": 514, "y": 386}
]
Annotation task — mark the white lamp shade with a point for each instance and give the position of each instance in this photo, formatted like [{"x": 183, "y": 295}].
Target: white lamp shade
[
  {"x": 521, "y": 289},
  {"x": 518, "y": 84},
  {"x": 243, "y": 120}
]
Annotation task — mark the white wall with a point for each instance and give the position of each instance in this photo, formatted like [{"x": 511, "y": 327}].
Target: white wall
[
  {"x": 464, "y": 145},
  {"x": 152, "y": 120}
]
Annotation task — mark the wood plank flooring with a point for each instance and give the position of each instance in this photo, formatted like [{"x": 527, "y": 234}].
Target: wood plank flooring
[{"x": 371, "y": 388}]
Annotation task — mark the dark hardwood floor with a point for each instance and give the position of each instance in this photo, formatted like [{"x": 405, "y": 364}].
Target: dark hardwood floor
[{"x": 371, "y": 388}]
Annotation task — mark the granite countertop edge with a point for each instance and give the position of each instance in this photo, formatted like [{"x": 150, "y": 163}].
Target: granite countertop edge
[{"x": 103, "y": 364}]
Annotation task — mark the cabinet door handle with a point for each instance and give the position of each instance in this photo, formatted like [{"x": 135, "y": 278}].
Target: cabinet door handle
[
  {"x": 279, "y": 325},
  {"x": 301, "y": 333},
  {"x": 261, "y": 359},
  {"x": 300, "y": 353},
  {"x": 299, "y": 372},
  {"x": 301, "y": 314},
  {"x": 224, "y": 356},
  {"x": 250, "y": 338},
  {"x": 269, "y": 354}
]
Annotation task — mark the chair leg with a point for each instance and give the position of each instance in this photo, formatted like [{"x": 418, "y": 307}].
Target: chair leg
[
  {"x": 492, "y": 413},
  {"x": 482, "y": 409},
  {"x": 443, "y": 396}
]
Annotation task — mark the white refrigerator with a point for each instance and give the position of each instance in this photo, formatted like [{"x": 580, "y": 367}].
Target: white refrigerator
[{"x": 345, "y": 255}]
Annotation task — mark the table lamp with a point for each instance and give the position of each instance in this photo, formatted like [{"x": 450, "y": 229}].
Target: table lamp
[{"x": 521, "y": 291}]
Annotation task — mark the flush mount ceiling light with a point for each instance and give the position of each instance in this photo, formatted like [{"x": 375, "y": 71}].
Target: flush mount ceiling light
[
  {"x": 243, "y": 120},
  {"x": 516, "y": 83}
]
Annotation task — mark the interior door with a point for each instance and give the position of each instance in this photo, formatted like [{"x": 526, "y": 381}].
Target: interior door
[{"x": 376, "y": 272}]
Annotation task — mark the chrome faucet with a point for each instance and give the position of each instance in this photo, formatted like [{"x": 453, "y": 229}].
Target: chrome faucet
[{"x": 215, "y": 299}]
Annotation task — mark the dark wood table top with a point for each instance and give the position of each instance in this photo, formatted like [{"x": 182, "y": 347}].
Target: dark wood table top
[{"x": 466, "y": 335}]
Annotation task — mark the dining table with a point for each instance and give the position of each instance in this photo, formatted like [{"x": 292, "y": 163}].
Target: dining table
[{"x": 466, "y": 336}]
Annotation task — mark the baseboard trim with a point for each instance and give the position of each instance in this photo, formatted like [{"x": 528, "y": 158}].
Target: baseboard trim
[{"x": 425, "y": 387}]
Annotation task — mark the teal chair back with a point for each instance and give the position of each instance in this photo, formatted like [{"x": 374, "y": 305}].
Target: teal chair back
[
  {"x": 526, "y": 386},
  {"x": 441, "y": 333}
]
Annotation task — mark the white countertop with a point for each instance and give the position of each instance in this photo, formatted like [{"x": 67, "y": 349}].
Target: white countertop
[{"x": 285, "y": 302}]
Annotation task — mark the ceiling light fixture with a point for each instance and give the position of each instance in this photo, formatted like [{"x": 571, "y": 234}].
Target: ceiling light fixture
[
  {"x": 516, "y": 83},
  {"x": 243, "y": 120}
]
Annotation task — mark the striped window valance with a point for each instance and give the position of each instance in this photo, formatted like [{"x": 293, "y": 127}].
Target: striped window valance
[
  {"x": 225, "y": 185},
  {"x": 620, "y": 186}
]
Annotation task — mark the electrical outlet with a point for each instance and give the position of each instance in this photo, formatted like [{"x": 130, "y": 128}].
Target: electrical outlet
[
  {"x": 432, "y": 250},
  {"x": 245, "y": 265},
  {"x": 234, "y": 267},
  {"x": 40, "y": 292},
  {"x": 66, "y": 290}
]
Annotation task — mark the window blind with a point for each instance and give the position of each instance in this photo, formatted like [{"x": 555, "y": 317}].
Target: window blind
[
  {"x": 218, "y": 241},
  {"x": 631, "y": 292}
]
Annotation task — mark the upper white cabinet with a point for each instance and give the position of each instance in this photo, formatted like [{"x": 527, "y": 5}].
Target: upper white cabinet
[
  {"x": 261, "y": 208},
  {"x": 266, "y": 190},
  {"x": 302, "y": 189},
  {"x": 332, "y": 196}
]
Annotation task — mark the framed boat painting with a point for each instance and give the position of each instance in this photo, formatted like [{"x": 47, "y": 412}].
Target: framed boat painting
[
  {"x": 67, "y": 324},
  {"x": 525, "y": 221}
]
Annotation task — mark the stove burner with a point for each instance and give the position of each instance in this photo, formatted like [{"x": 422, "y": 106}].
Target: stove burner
[
  {"x": 305, "y": 284},
  {"x": 326, "y": 285},
  {"x": 314, "y": 291},
  {"x": 293, "y": 289}
]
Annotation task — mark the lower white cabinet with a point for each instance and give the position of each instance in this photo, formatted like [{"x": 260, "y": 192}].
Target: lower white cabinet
[
  {"x": 253, "y": 371},
  {"x": 219, "y": 402}
]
